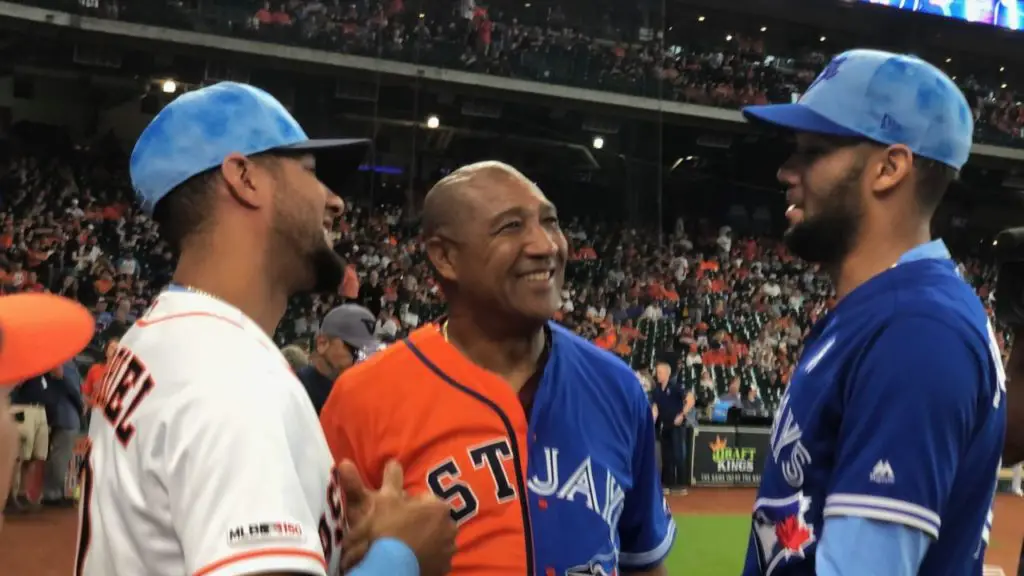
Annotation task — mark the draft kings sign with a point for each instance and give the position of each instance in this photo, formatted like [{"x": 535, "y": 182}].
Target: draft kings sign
[{"x": 728, "y": 456}]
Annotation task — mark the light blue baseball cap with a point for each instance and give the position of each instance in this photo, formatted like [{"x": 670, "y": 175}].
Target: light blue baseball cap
[
  {"x": 885, "y": 97},
  {"x": 196, "y": 131}
]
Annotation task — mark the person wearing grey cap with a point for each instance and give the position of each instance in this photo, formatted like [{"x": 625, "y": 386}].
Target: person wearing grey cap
[
  {"x": 887, "y": 441},
  {"x": 211, "y": 451},
  {"x": 345, "y": 337}
]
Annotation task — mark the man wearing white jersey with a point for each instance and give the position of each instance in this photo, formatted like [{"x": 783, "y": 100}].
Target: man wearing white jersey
[{"x": 206, "y": 456}]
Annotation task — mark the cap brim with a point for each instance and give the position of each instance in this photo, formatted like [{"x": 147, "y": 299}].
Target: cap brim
[
  {"x": 796, "y": 118},
  {"x": 39, "y": 332},
  {"x": 337, "y": 159}
]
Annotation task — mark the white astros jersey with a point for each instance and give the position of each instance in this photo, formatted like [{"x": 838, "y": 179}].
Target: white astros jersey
[{"x": 206, "y": 456}]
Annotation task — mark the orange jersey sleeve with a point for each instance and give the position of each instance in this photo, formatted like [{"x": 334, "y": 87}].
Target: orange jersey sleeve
[{"x": 458, "y": 431}]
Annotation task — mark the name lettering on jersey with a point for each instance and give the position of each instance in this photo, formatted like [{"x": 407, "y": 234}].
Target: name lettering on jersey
[
  {"x": 281, "y": 531},
  {"x": 580, "y": 487},
  {"x": 445, "y": 479},
  {"x": 124, "y": 387},
  {"x": 786, "y": 433},
  {"x": 330, "y": 528}
]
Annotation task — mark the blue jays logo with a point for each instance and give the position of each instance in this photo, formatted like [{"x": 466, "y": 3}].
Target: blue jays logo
[
  {"x": 781, "y": 531},
  {"x": 829, "y": 72}
]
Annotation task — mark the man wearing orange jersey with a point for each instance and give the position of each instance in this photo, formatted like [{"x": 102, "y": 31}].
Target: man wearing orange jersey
[{"x": 541, "y": 443}]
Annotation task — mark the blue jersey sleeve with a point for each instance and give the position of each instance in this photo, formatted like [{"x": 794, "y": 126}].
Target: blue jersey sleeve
[
  {"x": 908, "y": 413},
  {"x": 646, "y": 528},
  {"x": 896, "y": 549},
  {"x": 390, "y": 557}
]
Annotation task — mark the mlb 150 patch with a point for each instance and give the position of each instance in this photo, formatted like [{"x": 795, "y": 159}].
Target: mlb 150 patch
[{"x": 281, "y": 531}]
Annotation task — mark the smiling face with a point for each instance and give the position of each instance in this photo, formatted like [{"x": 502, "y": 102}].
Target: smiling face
[
  {"x": 303, "y": 211},
  {"x": 506, "y": 251},
  {"x": 823, "y": 188}
]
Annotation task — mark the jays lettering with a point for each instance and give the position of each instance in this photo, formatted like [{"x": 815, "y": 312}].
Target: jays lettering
[
  {"x": 787, "y": 447},
  {"x": 125, "y": 385},
  {"x": 579, "y": 487}
]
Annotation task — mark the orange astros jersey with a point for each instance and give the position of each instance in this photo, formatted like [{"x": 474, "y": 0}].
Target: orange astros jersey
[{"x": 458, "y": 431}]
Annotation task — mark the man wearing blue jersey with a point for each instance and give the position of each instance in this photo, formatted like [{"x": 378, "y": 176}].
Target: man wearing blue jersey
[
  {"x": 571, "y": 487},
  {"x": 887, "y": 443}
]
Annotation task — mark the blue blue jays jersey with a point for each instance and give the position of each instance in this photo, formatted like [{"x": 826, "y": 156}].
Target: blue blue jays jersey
[
  {"x": 895, "y": 413},
  {"x": 595, "y": 497}
]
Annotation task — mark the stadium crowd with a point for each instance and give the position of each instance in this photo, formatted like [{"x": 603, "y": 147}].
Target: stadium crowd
[
  {"x": 719, "y": 304},
  {"x": 726, "y": 311},
  {"x": 556, "y": 45}
]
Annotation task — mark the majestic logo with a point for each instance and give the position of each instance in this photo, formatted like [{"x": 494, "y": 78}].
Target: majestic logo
[
  {"x": 882, "y": 473},
  {"x": 732, "y": 459},
  {"x": 781, "y": 530}
]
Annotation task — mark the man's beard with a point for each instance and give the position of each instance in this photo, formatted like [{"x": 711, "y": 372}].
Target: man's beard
[
  {"x": 827, "y": 238},
  {"x": 312, "y": 263}
]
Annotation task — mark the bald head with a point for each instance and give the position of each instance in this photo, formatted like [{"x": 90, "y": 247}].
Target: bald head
[{"x": 446, "y": 203}]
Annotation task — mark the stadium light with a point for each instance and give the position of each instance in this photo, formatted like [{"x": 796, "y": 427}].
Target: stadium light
[
  {"x": 433, "y": 122},
  {"x": 169, "y": 86},
  {"x": 700, "y": 18},
  {"x": 598, "y": 142},
  {"x": 822, "y": 39},
  {"x": 728, "y": 37},
  {"x": 764, "y": 28}
]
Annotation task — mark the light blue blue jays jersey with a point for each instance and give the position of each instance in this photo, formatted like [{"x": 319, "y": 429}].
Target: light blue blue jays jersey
[
  {"x": 895, "y": 413},
  {"x": 595, "y": 497}
]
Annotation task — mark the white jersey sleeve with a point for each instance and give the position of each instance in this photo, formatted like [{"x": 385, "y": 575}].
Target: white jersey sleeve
[
  {"x": 206, "y": 456},
  {"x": 233, "y": 480}
]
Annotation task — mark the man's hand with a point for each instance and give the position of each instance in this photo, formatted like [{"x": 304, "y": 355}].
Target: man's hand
[
  {"x": 678, "y": 421},
  {"x": 423, "y": 523}
]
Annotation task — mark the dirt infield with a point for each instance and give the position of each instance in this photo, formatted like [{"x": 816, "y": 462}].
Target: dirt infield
[{"x": 43, "y": 545}]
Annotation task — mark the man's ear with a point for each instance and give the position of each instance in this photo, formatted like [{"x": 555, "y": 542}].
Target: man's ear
[
  {"x": 320, "y": 344},
  {"x": 249, "y": 184},
  {"x": 441, "y": 257},
  {"x": 897, "y": 161}
]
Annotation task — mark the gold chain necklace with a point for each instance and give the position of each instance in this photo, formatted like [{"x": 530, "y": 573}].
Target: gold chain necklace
[
  {"x": 194, "y": 290},
  {"x": 444, "y": 331}
]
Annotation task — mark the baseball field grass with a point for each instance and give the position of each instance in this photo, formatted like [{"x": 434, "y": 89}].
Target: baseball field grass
[
  {"x": 715, "y": 545},
  {"x": 709, "y": 545}
]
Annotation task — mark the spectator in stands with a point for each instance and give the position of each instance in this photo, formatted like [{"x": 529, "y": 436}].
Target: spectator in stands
[
  {"x": 64, "y": 409},
  {"x": 297, "y": 357},
  {"x": 28, "y": 407},
  {"x": 732, "y": 394},
  {"x": 670, "y": 413},
  {"x": 346, "y": 336},
  {"x": 752, "y": 400},
  {"x": 94, "y": 376}
]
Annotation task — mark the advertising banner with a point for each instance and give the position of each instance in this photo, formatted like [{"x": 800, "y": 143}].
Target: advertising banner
[
  {"x": 728, "y": 456},
  {"x": 1002, "y": 13}
]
